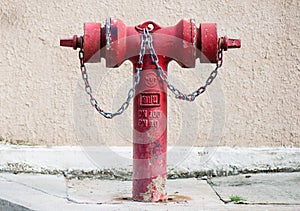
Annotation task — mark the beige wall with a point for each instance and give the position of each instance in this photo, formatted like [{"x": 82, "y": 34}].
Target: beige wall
[{"x": 42, "y": 101}]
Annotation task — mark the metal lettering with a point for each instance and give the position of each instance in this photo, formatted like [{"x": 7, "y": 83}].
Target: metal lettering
[
  {"x": 153, "y": 123},
  {"x": 149, "y": 99},
  {"x": 143, "y": 123},
  {"x": 154, "y": 114},
  {"x": 142, "y": 113}
]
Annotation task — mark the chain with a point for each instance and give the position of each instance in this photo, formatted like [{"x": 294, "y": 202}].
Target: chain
[
  {"x": 131, "y": 92},
  {"x": 146, "y": 39},
  {"x": 178, "y": 94}
]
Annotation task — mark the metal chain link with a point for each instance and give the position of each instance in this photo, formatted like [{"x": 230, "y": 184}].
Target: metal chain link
[
  {"x": 146, "y": 40},
  {"x": 178, "y": 94},
  {"x": 131, "y": 92}
]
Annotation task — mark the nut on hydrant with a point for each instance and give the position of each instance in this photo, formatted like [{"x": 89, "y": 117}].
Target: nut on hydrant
[{"x": 184, "y": 43}]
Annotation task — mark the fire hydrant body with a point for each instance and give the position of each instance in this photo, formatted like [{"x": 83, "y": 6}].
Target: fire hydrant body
[{"x": 183, "y": 43}]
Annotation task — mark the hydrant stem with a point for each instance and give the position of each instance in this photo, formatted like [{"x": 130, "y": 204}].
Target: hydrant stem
[{"x": 150, "y": 136}]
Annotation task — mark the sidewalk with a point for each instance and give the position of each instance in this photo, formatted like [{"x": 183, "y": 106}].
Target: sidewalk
[
  {"x": 97, "y": 178},
  {"x": 55, "y": 192}
]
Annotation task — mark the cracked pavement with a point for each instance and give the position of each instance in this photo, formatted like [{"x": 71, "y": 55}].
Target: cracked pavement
[
  {"x": 57, "y": 192},
  {"x": 265, "y": 188}
]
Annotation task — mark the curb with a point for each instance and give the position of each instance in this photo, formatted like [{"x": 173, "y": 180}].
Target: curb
[{"x": 116, "y": 163}]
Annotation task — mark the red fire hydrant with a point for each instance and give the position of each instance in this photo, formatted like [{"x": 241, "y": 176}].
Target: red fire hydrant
[{"x": 150, "y": 48}]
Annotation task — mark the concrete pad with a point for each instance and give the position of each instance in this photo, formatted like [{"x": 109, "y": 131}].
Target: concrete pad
[
  {"x": 276, "y": 188},
  {"x": 51, "y": 192},
  {"x": 191, "y": 192}
]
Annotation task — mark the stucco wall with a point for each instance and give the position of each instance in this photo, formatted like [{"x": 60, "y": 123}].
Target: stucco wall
[{"x": 255, "y": 100}]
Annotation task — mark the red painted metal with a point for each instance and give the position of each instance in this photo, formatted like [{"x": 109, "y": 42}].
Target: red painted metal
[
  {"x": 117, "y": 42},
  {"x": 229, "y": 43},
  {"x": 91, "y": 41},
  {"x": 208, "y": 43},
  {"x": 74, "y": 42},
  {"x": 125, "y": 42},
  {"x": 150, "y": 135}
]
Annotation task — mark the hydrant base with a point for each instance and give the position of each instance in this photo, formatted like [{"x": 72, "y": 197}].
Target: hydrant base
[{"x": 155, "y": 190}]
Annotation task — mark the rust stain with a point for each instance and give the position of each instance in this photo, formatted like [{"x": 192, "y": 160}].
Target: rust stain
[
  {"x": 178, "y": 198},
  {"x": 170, "y": 198}
]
